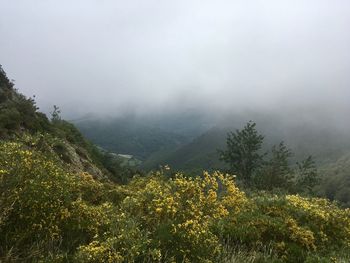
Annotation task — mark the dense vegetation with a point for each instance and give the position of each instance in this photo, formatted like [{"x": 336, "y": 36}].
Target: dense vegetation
[
  {"x": 330, "y": 150},
  {"x": 52, "y": 214},
  {"x": 64, "y": 200},
  {"x": 336, "y": 182},
  {"x": 267, "y": 170}
]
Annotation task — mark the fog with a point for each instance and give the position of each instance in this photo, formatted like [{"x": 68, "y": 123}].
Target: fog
[{"x": 110, "y": 57}]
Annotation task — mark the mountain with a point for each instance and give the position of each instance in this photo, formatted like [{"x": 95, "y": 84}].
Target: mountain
[
  {"x": 324, "y": 144},
  {"x": 130, "y": 136},
  {"x": 166, "y": 140},
  {"x": 201, "y": 153}
]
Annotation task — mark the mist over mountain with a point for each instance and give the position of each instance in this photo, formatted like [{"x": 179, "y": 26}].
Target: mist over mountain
[
  {"x": 114, "y": 58},
  {"x": 191, "y": 140}
]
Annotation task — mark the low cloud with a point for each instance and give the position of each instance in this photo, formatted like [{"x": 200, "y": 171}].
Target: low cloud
[{"x": 111, "y": 57}]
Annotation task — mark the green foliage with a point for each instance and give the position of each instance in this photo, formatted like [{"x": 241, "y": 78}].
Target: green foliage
[
  {"x": 49, "y": 213},
  {"x": 18, "y": 113},
  {"x": 276, "y": 173},
  {"x": 242, "y": 153},
  {"x": 6, "y": 87},
  {"x": 118, "y": 173},
  {"x": 55, "y": 114},
  {"x": 307, "y": 176},
  {"x": 336, "y": 180},
  {"x": 295, "y": 227}
]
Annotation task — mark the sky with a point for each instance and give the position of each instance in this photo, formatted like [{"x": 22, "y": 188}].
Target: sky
[{"x": 113, "y": 56}]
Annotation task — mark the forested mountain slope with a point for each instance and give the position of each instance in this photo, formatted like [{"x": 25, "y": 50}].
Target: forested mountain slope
[
  {"x": 127, "y": 135},
  {"x": 325, "y": 145},
  {"x": 201, "y": 153},
  {"x": 160, "y": 141}
]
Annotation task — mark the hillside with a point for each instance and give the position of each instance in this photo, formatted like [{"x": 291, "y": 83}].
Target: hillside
[
  {"x": 18, "y": 113},
  {"x": 65, "y": 200},
  {"x": 158, "y": 141},
  {"x": 130, "y": 136},
  {"x": 199, "y": 154},
  {"x": 20, "y": 118},
  {"x": 324, "y": 144}
]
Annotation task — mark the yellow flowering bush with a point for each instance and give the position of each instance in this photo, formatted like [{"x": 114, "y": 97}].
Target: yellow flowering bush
[
  {"x": 175, "y": 217},
  {"x": 293, "y": 226},
  {"x": 34, "y": 191},
  {"x": 125, "y": 241},
  {"x": 42, "y": 203},
  {"x": 329, "y": 223}
]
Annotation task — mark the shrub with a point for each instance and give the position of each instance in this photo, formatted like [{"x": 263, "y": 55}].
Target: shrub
[
  {"x": 44, "y": 206},
  {"x": 294, "y": 226},
  {"x": 174, "y": 216}
]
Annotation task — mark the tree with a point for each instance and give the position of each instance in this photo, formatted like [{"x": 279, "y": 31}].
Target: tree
[
  {"x": 243, "y": 152},
  {"x": 307, "y": 176},
  {"x": 55, "y": 115},
  {"x": 276, "y": 172}
]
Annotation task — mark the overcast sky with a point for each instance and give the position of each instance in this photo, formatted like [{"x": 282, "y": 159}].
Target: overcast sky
[{"x": 111, "y": 55}]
